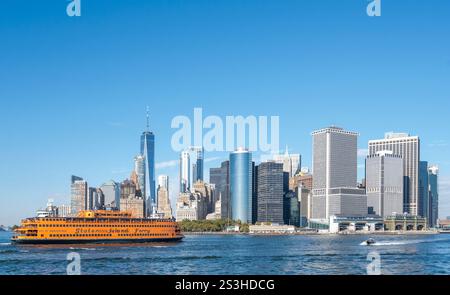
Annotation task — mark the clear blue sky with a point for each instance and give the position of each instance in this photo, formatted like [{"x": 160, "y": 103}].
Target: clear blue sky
[{"x": 74, "y": 90}]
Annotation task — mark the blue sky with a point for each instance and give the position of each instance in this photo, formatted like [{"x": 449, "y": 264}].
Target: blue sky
[{"x": 74, "y": 90}]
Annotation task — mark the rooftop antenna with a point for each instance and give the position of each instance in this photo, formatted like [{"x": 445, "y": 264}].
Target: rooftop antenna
[{"x": 148, "y": 118}]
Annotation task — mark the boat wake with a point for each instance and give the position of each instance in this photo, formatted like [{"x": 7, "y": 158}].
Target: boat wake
[
  {"x": 5, "y": 244},
  {"x": 399, "y": 243}
]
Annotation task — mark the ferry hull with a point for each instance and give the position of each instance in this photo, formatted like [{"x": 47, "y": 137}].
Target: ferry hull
[{"x": 92, "y": 241}]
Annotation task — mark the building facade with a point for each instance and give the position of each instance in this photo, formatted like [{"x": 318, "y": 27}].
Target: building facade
[
  {"x": 241, "y": 185},
  {"x": 384, "y": 184},
  {"x": 79, "y": 195},
  {"x": 408, "y": 147},
  {"x": 270, "y": 192},
  {"x": 334, "y": 167},
  {"x": 111, "y": 192},
  {"x": 433, "y": 195},
  {"x": 220, "y": 178}
]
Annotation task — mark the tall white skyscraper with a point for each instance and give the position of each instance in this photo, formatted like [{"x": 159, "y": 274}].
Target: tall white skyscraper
[
  {"x": 335, "y": 174},
  {"x": 291, "y": 162},
  {"x": 384, "y": 183},
  {"x": 408, "y": 147},
  {"x": 185, "y": 175}
]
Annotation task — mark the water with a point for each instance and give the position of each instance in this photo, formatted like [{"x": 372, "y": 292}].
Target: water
[{"x": 255, "y": 255}]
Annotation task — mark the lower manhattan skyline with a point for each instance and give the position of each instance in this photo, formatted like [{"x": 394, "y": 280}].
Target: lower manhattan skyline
[{"x": 71, "y": 109}]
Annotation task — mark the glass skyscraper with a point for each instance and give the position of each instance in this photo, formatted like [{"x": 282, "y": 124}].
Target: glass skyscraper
[
  {"x": 423, "y": 189},
  {"x": 241, "y": 185},
  {"x": 433, "y": 174},
  {"x": 148, "y": 151}
]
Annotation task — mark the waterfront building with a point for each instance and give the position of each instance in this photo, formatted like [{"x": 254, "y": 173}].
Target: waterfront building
[
  {"x": 220, "y": 178},
  {"x": 111, "y": 192},
  {"x": 335, "y": 173},
  {"x": 217, "y": 214},
  {"x": 384, "y": 183},
  {"x": 191, "y": 206},
  {"x": 433, "y": 195},
  {"x": 163, "y": 199},
  {"x": 185, "y": 179},
  {"x": 424, "y": 187},
  {"x": 241, "y": 185},
  {"x": 148, "y": 151},
  {"x": 139, "y": 174},
  {"x": 79, "y": 195},
  {"x": 271, "y": 229},
  {"x": 305, "y": 195},
  {"x": 291, "y": 213},
  {"x": 408, "y": 147},
  {"x": 254, "y": 193},
  {"x": 291, "y": 162},
  {"x": 356, "y": 223},
  {"x": 405, "y": 222},
  {"x": 270, "y": 192}
]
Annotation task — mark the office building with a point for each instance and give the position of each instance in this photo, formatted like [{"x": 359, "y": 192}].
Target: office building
[
  {"x": 64, "y": 211},
  {"x": 79, "y": 195},
  {"x": 220, "y": 178},
  {"x": 111, "y": 192},
  {"x": 433, "y": 195},
  {"x": 185, "y": 179},
  {"x": 241, "y": 185},
  {"x": 139, "y": 174},
  {"x": 270, "y": 192},
  {"x": 191, "y": 206},
  {"x": 408, "y": 147},
  {"x": 384, "y": 184},
  {"x": 335, "y": 174},
  {"x": 134, "y": 205},
  {"x": 291, "y": 214},
  {"x": 424, "y": 187}
]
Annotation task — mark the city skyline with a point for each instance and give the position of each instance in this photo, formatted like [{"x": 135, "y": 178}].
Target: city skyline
[{"x": 79, "y": 110}]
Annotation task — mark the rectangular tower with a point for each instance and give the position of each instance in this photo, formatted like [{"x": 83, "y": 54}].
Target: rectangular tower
[
  {"x": 334, "y": 166},
  {"x": 384, "y": 184},
  {"x": 408, "y": 147}
]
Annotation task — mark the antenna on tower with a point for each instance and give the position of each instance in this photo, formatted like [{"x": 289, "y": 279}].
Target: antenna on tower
[{"x": 148, "y": 118}]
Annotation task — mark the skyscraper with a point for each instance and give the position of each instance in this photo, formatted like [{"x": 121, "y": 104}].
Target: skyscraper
[
  {"x": 384, "y": 184},
  {"x": 139, "y": 170},
  {"x": 185, "y": 178},
  {"x": 148, "y": 151},
  {"x": 424, "y": 209},
  {"x": 198, "y": 164},
  {"x": 241, "y": 185},
  {"x": 79, "y": 195},
  {"x": 408, "y": 147},
  {"x": 291, "y": 162},
  {"x": 335, "y": 174},
  {"x": 270, "y": 192},
  {"x": 433, "y": 195},
  {"x": 220, "y": 177},
  {"x": 163, "y": 197},
  {"x": 111, "y": 192}
]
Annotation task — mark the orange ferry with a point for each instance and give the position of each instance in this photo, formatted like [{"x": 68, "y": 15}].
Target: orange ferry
[{"x": 96, "y": 227}]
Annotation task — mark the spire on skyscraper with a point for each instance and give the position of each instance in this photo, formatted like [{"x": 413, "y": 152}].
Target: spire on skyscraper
[{"x": 148, "y": 119}]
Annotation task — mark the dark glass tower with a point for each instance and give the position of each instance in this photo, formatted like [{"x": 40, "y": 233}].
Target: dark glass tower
[{"x": 148, "y": 151}]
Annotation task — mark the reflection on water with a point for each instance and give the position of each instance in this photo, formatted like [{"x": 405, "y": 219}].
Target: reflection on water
[{"x": 228, "y": 254}]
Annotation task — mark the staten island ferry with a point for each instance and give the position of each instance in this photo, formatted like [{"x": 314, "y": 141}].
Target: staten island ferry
[{"x": 96, "y": 227}]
